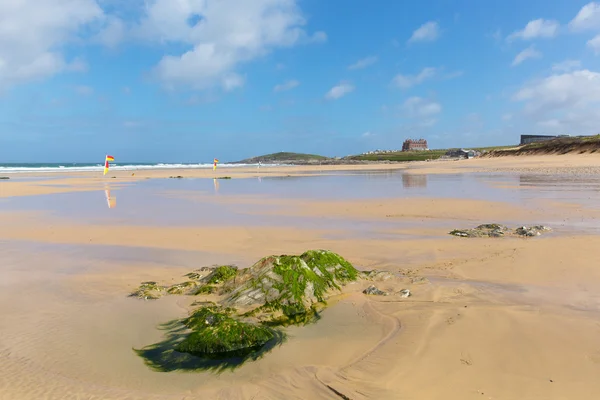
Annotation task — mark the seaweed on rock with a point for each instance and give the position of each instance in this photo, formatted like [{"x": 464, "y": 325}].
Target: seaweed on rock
[
  {"x": 276, "y": 291},
  {"x": 215, "y": 333},
  {"x": 288, "y": 287},
  {"x": 222, "y": 274},
  {"x": 182, "y": 288},
  {"x": 148, "y": 291},
  {"x": 163, "y": 356}
]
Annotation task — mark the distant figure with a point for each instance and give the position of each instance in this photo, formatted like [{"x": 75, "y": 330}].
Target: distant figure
[{"x": 259, "y": 165}]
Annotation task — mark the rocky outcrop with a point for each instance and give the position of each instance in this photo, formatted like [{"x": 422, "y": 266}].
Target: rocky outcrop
[
  {"x": 373, "y": 291},
  {"x": 280, "y": 288},
  {"x": 251, "y": 303},
  {"x": 201, "y": 281},
  {"x": 497, "y": 230},
  {"x": 485, "y": 230},
  {"x": 531, "y": 231}
]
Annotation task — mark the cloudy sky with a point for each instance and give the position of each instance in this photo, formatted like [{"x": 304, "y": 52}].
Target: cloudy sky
[{"x": 189, "y": 80}]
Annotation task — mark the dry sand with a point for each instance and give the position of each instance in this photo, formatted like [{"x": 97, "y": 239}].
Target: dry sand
[{"x": 498, "y": 318}]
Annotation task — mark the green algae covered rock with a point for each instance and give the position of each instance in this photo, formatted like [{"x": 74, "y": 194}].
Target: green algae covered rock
[
  {"x": 216, "y": 333},
  {"x": 222, "y": 274},
  {"x": 182, "y": 288},
  {"x": 249, "y": 305},
  {"x": 290, "y": 286},
  {"x": 148, "y": 291}
]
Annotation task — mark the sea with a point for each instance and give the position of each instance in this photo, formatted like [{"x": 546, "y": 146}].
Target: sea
[{"x": 81, "y": 167}]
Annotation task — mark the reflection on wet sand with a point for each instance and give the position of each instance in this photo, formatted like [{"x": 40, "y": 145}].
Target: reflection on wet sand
[
  {"x": 412, "y": 181},
  {"x": 560, "y": 182},
  {"x": 111, "y": 201}
]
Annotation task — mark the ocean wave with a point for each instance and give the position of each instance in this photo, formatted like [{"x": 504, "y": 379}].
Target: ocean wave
[{"x": 116, "y": 167}]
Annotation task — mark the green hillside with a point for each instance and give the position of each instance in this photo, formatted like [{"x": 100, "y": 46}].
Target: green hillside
[
  {"x": 284, "y": 157},
  {"x": 400, "y": 156}
]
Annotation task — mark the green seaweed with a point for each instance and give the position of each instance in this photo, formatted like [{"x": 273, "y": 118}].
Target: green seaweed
[
  {"x": 222, "y": 274},
  {"x": 207, "y": 289},
  {"x": 193, "y": 276},
  {"x": 276, "y": 291},
  {"x": 148, "y": 291},
  {"x": 294, "y": 285},
  {"x": 162, "y": 356},
  {"x": 215, "y": 333},
  {"x": 182, "y": 288}
]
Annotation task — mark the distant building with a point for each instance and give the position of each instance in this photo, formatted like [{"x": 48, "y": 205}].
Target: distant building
[
  {"x": 462, "y": 153},
  {"x": 412, "y": 145},
  {"x": 526, "y": 139}
]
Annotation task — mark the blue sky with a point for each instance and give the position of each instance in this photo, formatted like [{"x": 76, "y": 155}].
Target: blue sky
[{"x": 189, "y": 80}]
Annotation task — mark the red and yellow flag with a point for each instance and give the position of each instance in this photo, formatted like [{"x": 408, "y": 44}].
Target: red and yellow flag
[
  {"x": 215, "y": 161},
  {"x": 106, "y": 160}
]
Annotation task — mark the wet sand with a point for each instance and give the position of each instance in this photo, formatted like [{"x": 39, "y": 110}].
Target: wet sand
[{"x": 506, "y": 318}]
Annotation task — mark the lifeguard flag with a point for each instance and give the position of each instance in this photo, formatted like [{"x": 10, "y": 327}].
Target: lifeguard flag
[
  {"x": 215, "y": 161},
  {"x": 106, "y": 160}
]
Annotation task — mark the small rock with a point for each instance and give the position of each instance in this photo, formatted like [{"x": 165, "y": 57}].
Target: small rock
[
  {"x": 532, "y": 231},
  {"x": 417, "y": 280},
  {"x": 4, "y": 177},
  {"x": 404, "y": 293},
  {"x": 372, "y": 290}
]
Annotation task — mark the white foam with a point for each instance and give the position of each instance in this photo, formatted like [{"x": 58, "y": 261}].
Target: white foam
[{"x": 125, "y": 167}]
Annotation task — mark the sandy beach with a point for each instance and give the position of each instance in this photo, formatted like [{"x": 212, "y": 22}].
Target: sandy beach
[{"x": 488, "y": 318}]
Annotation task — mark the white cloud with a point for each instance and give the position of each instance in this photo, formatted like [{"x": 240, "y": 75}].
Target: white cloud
[
  {"x": 566, "y": 66},
  {"x": 84, "y": 90},
  {"x": 226, "y": 34},
  {"x": 526, "y": 54},
  {"x": 232, "y": 81},
  {"x": 538, "y": 28},
  {"x": 112, "y": 33},
  {"x": 417, "y": 107},
  {"x": 127, "y": 90},
  {"x": 507, "y": 117},
  {"x": 318, "y": 37},
  {"x": 363, "y": 63},
  {"x": 289, "y": 85},
  {"x": 339, "y": 91},
  {"x": 428, "y": 32},
  {"x": 408, "y": 81},
  {"x": 588, "y": 18},
  {"x": 562, "y": 95},
  {"x": 594, "y": 44},
  {"x": 367, "y": 135},
  {"x": 33, "y": 33}
]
